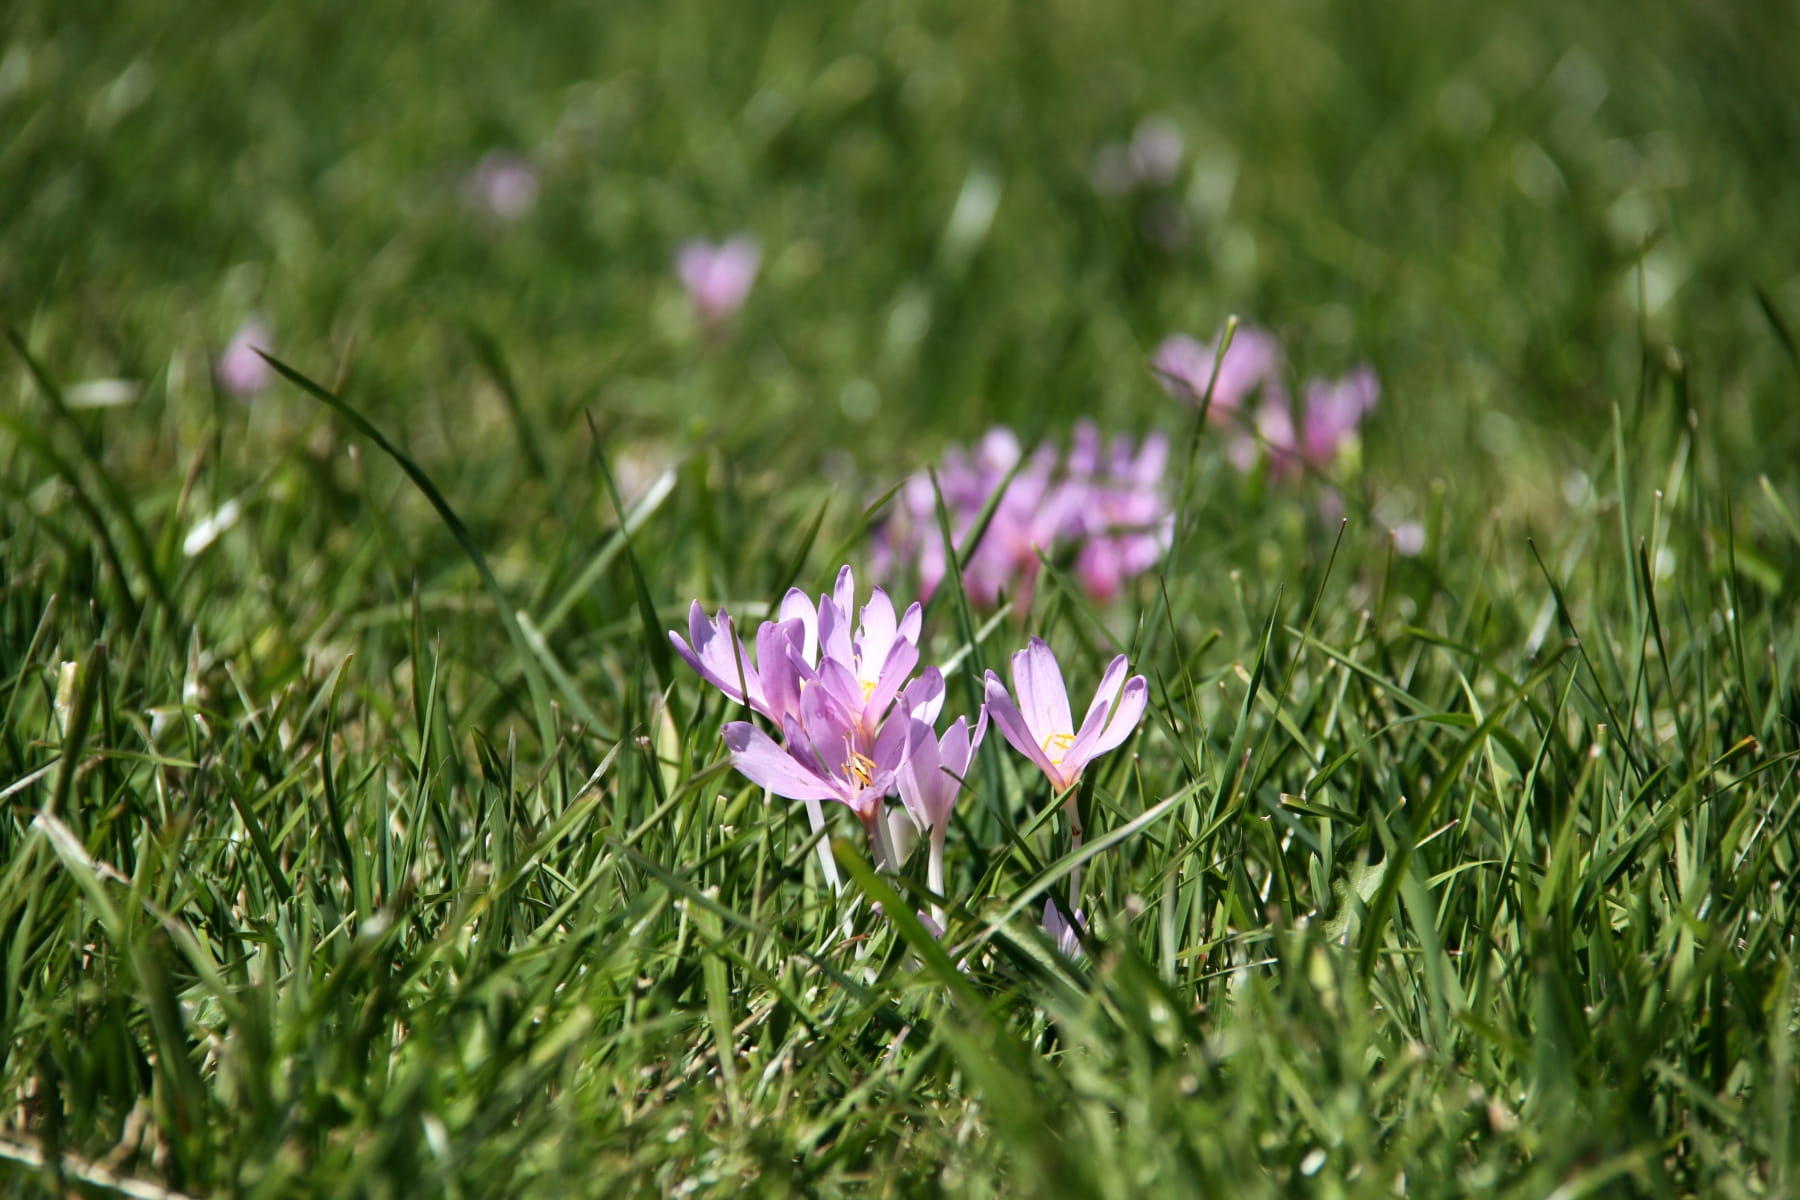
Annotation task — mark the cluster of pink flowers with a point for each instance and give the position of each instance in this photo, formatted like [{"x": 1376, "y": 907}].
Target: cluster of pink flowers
[
  {"x": 857, "y": 720},
  {"x": 1296, "y": 438},
  {"x": 1105, "y": 502}
]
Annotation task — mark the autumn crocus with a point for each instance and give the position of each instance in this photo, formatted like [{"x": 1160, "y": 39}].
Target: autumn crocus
[
  {"x": 718, "y": 656},
  {"x": 241, "y": 370},
  {"x": 1041, "y": 727},
  {"x": 1334, "y": 408},
  {"x": 929, "y": 780},
  {"x": 1329, "y": 413},
  {"x": 829, "y": 682},
  {"x": 717, "y": 276},
  {"x": 864, "y": 665},
  {"x": 1107, "y": 504},
  {"x": 1065, "y": 933},
  {"x": 823, "y": 756},
  {"x": 502, "y": 186},
  {"x": 1124, "y": 523},
  {"x": 1252, "y": 361}
]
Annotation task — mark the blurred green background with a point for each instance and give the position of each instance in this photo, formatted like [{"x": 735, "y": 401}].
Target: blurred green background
[{"x": 1482, "y": 200}]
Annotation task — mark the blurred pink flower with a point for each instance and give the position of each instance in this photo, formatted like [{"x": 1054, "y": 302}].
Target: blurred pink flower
[
  {"x": 240, "y": 370},
  {"x": 1125, "y": 523},
  {"x": 1253, "y": 360},
  {"x": 1330, "y": 412},
  {"x": 1334, "y": 408},
  {"x": 1149, "y": 161},
  {"x": 1106, "y": 503},
  {"x": 1155, "y": 151},
  {"x": 502, "y": 185},
  {"x": 1408, "y": 539},
  {"x": 718, "y": 277}
]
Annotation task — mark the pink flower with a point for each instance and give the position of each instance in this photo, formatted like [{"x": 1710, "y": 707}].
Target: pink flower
[
  {"x": 718, "y": 277},
  {"x": 1334, "y": 408},
  {"x": 831, "y": 689},
  {"x": 1107, "y": 503},
  {"x": 1330, "y": 412},
  {"x": 1155, "y": 152},
  {"x": 1045, "y": 732},
  {"x": 1253, "y": 360},
  {"x": 718, "y": 656},
  {"x": 241, "y": 370},
  {"x": 1124, "y": 523},
  {"x": 933, "y": 773},
  {"x": 1066, "y": 934},
  {"x": 823, "y": 756},
  {"x": 502, "y": 185},
  {"x": 1151, "y": 160},
  {"x": 929, "y": 781}
]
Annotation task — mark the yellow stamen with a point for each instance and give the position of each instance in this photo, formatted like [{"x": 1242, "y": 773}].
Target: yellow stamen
[
  {"x": 1061, "y": 742},
  {"x": 868, "y": 690},
  {"x": 859, "y": 769}
]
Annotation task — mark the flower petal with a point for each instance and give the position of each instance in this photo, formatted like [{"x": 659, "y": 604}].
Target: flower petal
[
  {"x": 779, "y": 666},
  {"x": 918, "y": 776},
  {"x": 1018, "y": 734},
  {"x": 1110, "y": 682},
  {"x": 902, "y": 657},
  {"x": 1042, "y": 696},
  {"x": 834, "y": 633},
  {"x": 876, "y": 635},
  {"x": 1104, "y": 731},
  {"x": 719, "y": 657},
  {"x": 758, "y": 759},
  {"x": 797, "y": 606},
  {"x": 911, "y": 621},
  {"x": 924, "y": 697},
  {"x": 954, "y": 750}
]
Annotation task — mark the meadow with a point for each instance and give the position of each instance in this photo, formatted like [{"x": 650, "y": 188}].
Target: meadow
[{"x": 366, "y": 834}]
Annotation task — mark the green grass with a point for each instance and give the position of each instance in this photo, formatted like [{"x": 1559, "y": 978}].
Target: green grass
[{"x": 381, "y": 847}]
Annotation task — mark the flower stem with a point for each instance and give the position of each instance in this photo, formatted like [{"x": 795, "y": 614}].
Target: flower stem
[
  {"x": 881, "y": 841},
  {"x": 1076, "y": 834},
  {"x": 815, "y": 815},
  {"x": 934, "y": 871}
]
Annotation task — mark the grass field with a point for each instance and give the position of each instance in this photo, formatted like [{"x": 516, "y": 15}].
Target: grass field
[{"x": 364, "y": 834}]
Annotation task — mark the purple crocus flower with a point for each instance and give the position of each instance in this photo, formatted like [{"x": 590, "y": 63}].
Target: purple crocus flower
[
  {"x": 1334, "y": 408},
  {"x": 864, "y": 668},
  {"x": 1408, "y": 538},
  {"x": 1107, "y": 503},
  {"x": 929, "y": 780},
  {"x": 824, "y": 756},
  {"x": 1151, "y": 160},
  {"x": 1040, "y": 726},
  {"x": 1329, "y": 412},
  {"x": 830, "y": 689},
  {"x": 718, "y": 276},
  {"x": 1156, "y": 150},
  {"x": 241, "y": 370},
  {"x": 502, "y": 185},
  {"x": 1066, "y": 934},
  {"x": 1124, "y": 522},
  {"x": 1253, "y": 360},
  {"x": 718, "y": 656},
  {"x": 932, "y": 774}
]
